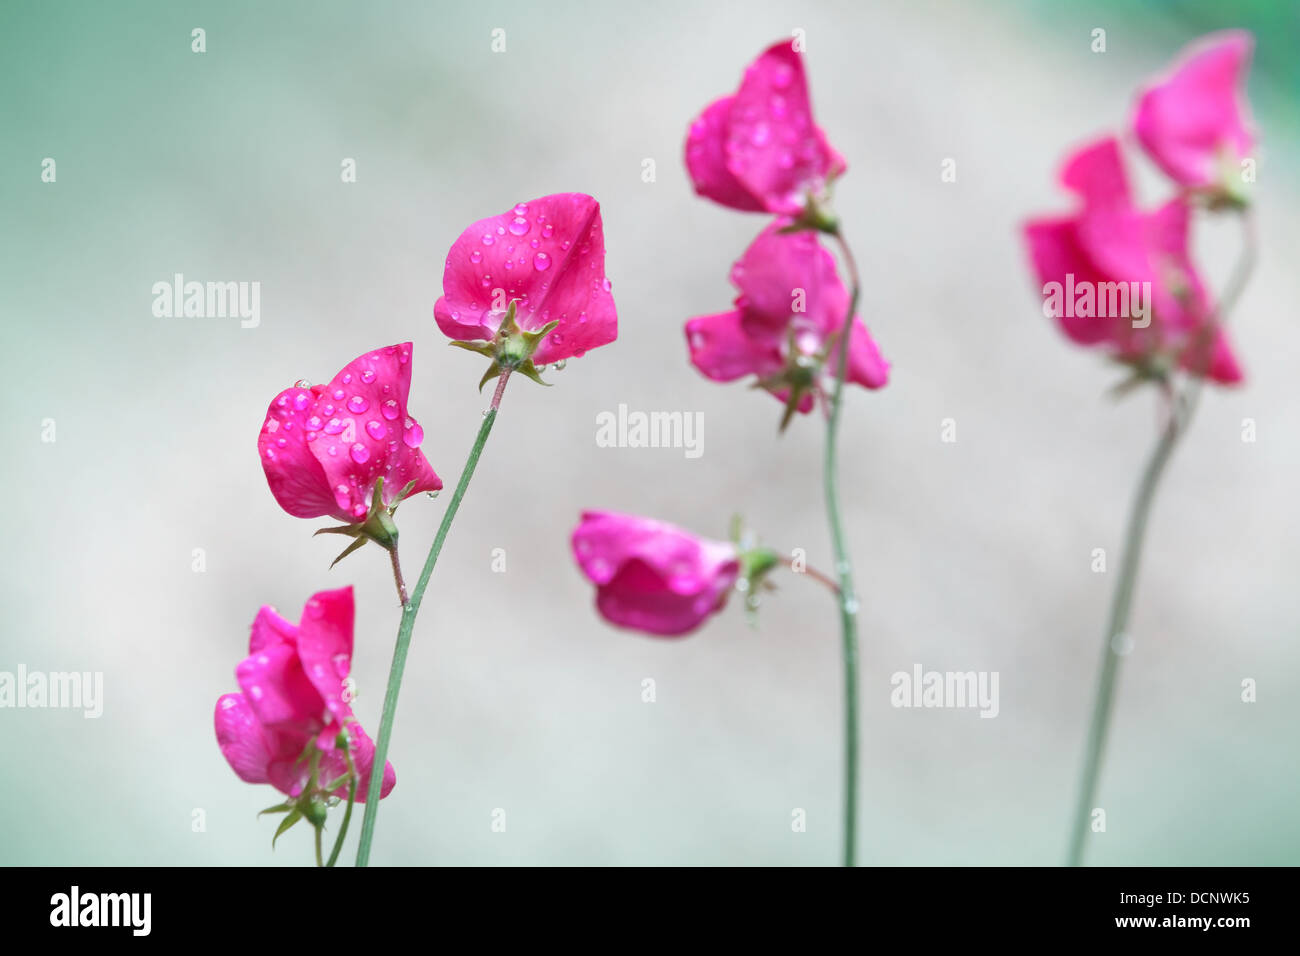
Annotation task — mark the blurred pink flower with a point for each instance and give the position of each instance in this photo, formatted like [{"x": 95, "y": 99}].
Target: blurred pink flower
[
  {"x": 292, "y": 692},
  {"x": 324, "y": 446},
  {"x": 791, "y": 303},
  {"x": 548, "y": 253},
  {"x": 1194, "y": 123},
  {"x": 652, "y": 576},
  {"x": 759, "y": 149},
  {"x": 1108, "y": 244}
]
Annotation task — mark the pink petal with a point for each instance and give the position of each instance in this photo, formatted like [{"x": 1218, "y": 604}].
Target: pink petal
[
  {"x": 277, "y": 690},
  {"x": 723, "y": 351},
  {"x": 293, "y": 473},
  {"x": 866, "y": 365},
  {"x": 653, "y": 576},
  {"x": 773, "y": 146},
  {"x": 366, "y": 433},
  {"x": 1056, "y": 253},
  {"x": 270, "y": 629},
  {"x": 549, "y": 253},
  {"x": 325, "y": 646},
  {"x": 239, "y": 736},
  {"x": 706, "y": 159},
  {"x": 1189, "y": 120}
]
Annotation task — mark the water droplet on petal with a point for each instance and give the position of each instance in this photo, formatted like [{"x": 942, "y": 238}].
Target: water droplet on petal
[
  {"x": 488, "y": 239},
  {"x": 360, "y": 453},
  {"x": 338, "y": 394},
  {"x": 301, "y": 401},
  {"x": 521, "y": 208},
  {"x": 390, "y": 410},
  {"x": 476, "y": 256},
  {"x": 333, "y": 427},
  {"x": 412, "y": 434},
  {"x": 347, "y": 378},
  {"x": 368, "y": 376},
  {"x": 518, "y": 226},
  {"x": 358, "y": 404},
  {"x": 376, "y": 430},
  {"x": 432, "y": 494},
  {"x": 547, "y": 231}
]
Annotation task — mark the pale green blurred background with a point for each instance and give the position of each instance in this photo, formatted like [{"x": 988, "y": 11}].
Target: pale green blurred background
[{"x": 971, "y": 556}]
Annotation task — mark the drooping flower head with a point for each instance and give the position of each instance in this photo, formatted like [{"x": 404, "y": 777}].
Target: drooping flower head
[
  {"x": 759, "y": 150},
  {"x": 652, "y": 576},
  {"x": 323, "y": 447},
  {"x": 786, "y": 321},
  {"x": 549, "y": 254},
  {"x": 1108, "y": 251},
  {"x": 292, "y": 695},
  {"x": 1194, "y": 123}
]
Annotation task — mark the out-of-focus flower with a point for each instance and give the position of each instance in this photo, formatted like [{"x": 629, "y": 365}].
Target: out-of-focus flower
[
  {"x": 651, "y": 576},
  {"x": 1195, "y": 122},
  {"x": 759, "y": 149},
  {"x": 1121, "y": 278},
  {"x": 788, "y": 314}
]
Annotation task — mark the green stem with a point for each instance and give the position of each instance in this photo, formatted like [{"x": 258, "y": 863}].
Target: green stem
[
  {"x": 347, "y": 814},
  {"x": 848, "y": 601},
  {"x": 409, "y": 612},
  {"x": 1181, "y": 409},
  {"x": 319, "y": 859}
]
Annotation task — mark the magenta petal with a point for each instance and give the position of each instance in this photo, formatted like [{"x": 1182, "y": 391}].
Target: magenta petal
[
  {"x": 1195, "y": 119},
  {"x": 773, "y": 146},
  {"x": 724, "y": 352},
  {"x": 239, "y": 736},
  {"x": 325, "y": 646},
  {"x": 706, "y": 159},
  {"x": 366, "y": 433},
  {"x": 550, "y": 254},
  {"x": 1055, "y": 251},
  {"x": 295, "y": 477},
  {"x": 277, "y": 689},
  {"x": 270, "y": 629},
  {"x": 363, "y": 756},
  {"x": 866, "y": 365},
  {"x": 653, "y": 576}
]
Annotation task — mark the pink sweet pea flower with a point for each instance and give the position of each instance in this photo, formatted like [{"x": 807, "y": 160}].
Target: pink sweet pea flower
[
  {"x": 292, "y": 693},
  {"x": 549, "y": 254},
  {"x": 791, "y": 303},
  {"x": 1109, "y": 240},
  {"x": 324, "y": 446},
  {"x": 1194, "y": 123},
  {"x": 759, "y": 149},
  {"x": 651, "y": 576}
]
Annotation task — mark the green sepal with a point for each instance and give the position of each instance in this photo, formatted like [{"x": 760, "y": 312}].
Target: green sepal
[
  {"x": 285, "y": 824},
  {"x": 316, "y": 812},
  {"x": 512, "y": 348},
  {"x": 358, "y": 543},
  {"x": 278, "y": 808},
  {"x": 482, "y": 347},
  {"x": 528, "y": 370}
]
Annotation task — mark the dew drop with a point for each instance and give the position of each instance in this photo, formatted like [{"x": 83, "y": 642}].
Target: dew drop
[
  {"x": 368, "y": 376},
  {"x": 547, "y": 231},
  {"x": 360, "y": 453},
  {"x": 358, "y": 404},
  {"x": 432, "y": 494},
  {"x": 476, "y": 256},
  {"x": 389, "y": 409},
  {"x": 488, "y": 239},
  {"x": 347, "y": 378},
  {"x": 519, "y": 226},
  {"x": 333, "y": 427},
  {"x": 412, "y": 434},
  {"x": 521, "y": 208},
  {"x": 302, "y": 383},
  {"x": 301, "y": 401},
  {"x": 338, "y": 394},
  {"x": 375, "y": 430},
  {"x": 541, "y": 262}
]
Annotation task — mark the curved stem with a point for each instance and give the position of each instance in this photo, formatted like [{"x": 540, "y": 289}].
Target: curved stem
[
  {"x": 409, "y": 612},
  {"x": 347, "y": 814},
  {"x": 319, "y": 859},
  {"x": 844, "y": 568},
  {"x": 1181, "y": 410},
  {"x": 824, "y": 579},
  {"x": 397, "y": 577}
]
